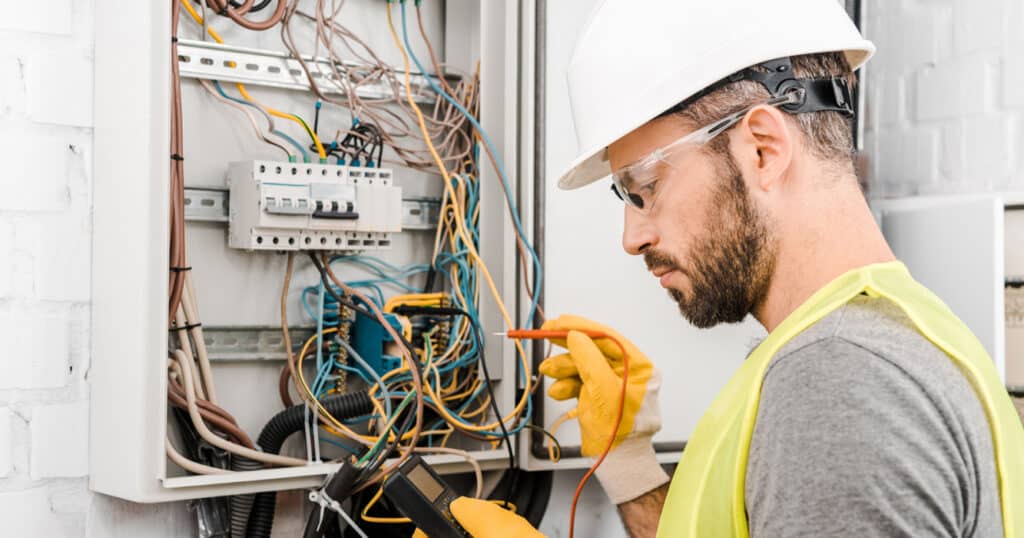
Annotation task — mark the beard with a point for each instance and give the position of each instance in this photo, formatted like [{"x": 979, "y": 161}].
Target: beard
[{"x": 731, "y": 263}]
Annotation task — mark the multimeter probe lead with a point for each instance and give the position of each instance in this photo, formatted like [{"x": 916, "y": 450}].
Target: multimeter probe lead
[{"x": 541, "y": 334}]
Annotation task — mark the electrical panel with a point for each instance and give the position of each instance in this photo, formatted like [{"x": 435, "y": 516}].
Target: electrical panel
[
  {"x": 292, "y": 206},
  {"x": 291, "y": 260}
]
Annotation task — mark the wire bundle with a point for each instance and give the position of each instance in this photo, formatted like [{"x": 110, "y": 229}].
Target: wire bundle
[{"x": 442, "y": 395}]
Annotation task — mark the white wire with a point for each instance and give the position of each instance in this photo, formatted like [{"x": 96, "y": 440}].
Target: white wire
[
  {"x": 306, "y": 437},
  {"x": 466, "y": 456},
  {"x": 188, "y": 464},
  {"x": 352, "y": 523},
  {"x": 212, "y": 438}
]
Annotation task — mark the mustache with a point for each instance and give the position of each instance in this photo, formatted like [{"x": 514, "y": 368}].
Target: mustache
[{"x": 656, "y": 260}]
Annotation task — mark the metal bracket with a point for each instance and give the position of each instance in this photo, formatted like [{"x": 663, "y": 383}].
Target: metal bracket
[
  {"x": 212, "y": 61},
  {"x": 209, "y": 205},
  {"x": 250, "y": 343},
  {"x": 420, "y": 213}
]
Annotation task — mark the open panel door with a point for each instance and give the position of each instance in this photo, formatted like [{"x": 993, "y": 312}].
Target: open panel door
[
  {"x": 954, "y": 246},
  {"x": 586, "y": 272}
]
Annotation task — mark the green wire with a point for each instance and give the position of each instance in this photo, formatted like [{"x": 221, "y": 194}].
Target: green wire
[
  {"x": 380, "y": 440},
  {"x": 375, "y": 449}
]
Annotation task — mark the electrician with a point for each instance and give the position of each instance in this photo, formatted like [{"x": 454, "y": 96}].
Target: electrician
[{"x": 870, "y": 409}]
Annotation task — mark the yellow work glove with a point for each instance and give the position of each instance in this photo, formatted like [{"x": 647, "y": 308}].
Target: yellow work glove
[
  {"x": 592, "y": 372},
  {"x": 483, "y": 519}
]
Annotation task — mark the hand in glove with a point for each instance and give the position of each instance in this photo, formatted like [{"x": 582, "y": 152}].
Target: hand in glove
[
  {"x": 483, "y": 519},
  {"x": 592, "y": 372}
]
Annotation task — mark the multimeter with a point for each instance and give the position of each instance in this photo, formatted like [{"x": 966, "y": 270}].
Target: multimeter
[{"x": 419, "y": 494}]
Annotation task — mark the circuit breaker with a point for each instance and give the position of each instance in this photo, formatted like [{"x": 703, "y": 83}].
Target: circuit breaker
[{"x": 292, "y": 206}]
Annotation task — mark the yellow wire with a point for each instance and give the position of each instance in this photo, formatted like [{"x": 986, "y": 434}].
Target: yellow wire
[
  {"x": 245, "y": 94},
  {"x": 451, "y": 197},
  {"x": 374, "y": 519},
  {"x": 414, "y": 299},
  {"x": 562, "y": 419},
  {"x": 274, "y": 112},
  {"x": 467, "y": 238},
  {"x": 316, "y": 403}
]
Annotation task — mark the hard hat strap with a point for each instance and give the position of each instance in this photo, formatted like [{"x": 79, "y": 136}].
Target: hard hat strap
[{"x": 831, "y": 94}]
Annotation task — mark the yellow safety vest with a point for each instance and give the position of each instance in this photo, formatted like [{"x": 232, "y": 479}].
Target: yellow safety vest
[{"x": 706, "y": 498}]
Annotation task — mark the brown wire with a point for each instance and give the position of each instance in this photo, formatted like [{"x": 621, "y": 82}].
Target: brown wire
[
  {"x": 286, "y": 336},
  {"x": 417, "y": 379},
  {"x": 288, "y": 372},
  {"x": 520, "y": 242},
  {"x": 211, "y": 415},
  {"x": 393, "y": 126},
  {"x": 224, "y": 8},
  {"x": 282, "y": 386},
  {"x": 176, "y": 247}
]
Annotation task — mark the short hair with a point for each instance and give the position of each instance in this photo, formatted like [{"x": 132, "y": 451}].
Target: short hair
[{"x": 829, "y": 135}]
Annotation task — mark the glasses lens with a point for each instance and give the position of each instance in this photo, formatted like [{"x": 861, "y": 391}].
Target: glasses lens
[{"x": 620, "y": 191}]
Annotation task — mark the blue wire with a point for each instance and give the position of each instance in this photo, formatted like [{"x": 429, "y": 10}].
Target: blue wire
[
  {"x": 534, "y": 299},
  {"x": 337, "y": 444},
  {"x": 292, "y": 141},
  {"x": 373, "y": 373},
  {"x": 358, "y": 371},
  {"x": 320, "y": 329}
]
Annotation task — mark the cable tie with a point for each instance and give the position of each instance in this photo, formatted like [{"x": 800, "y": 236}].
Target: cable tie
[
  {"x": 187, "y": 327},
  {"x": 174, "y": 39},
  {"x": 177, "y": 157},
  {"x": 180, "y": 269}
]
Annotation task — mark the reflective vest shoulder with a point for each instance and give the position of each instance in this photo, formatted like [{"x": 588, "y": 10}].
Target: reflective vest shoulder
[{"x": 706, "y": 497}]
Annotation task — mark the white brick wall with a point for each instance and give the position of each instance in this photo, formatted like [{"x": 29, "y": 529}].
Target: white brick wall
[
  {"x": 945, "y": 114},
  {"x": 45, "y": 203},
  {"x": 60, "y": 440},
  {"x": 946, "y": 96}
]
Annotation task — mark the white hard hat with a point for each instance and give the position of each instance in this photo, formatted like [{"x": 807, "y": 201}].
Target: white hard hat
[{"x": 637, "y": 59}]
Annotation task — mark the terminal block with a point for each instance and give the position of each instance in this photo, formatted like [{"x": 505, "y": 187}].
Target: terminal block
[{"x": 292, "y": 206}]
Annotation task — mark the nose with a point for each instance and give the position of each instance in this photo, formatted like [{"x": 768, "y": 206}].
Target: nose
[{"x": 639, "y": 232}]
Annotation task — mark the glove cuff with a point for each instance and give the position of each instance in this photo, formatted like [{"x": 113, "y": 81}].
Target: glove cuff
[{"x": 631, "y": 470}]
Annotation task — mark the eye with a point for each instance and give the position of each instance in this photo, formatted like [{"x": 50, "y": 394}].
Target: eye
[{"x": 648, "y": 188}]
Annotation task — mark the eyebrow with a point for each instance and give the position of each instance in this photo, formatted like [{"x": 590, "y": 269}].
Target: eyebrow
[{"x": 626, "y": 177}]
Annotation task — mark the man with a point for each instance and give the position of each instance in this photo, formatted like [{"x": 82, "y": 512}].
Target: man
[{"x": 869, "y": 410}]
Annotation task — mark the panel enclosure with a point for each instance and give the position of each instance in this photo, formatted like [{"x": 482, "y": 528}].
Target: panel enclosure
[
  {"x": 238, "y": 290},
  {"x": 967, "y": 250}
]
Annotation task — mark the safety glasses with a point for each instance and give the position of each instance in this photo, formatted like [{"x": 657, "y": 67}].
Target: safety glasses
[{"x": 637, "y": 183}]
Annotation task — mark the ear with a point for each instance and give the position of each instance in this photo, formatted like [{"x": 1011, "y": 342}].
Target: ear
[{"x": 764, "y": 149}]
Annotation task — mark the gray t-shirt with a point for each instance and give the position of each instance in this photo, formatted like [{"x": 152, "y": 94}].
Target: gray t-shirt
[{"x": 865, "y": 429}]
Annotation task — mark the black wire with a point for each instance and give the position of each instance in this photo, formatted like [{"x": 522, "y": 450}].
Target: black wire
[
  {"x": 342, "y": 299},
  {"x": 316, "y": 118},
  {"x": 410, "y": 419},
  {"x": 477, "y": 336},
  {"x": 258, "y": 7},
  {"x": 549, "y": 435},
  {"x": 329, "y": 288}
]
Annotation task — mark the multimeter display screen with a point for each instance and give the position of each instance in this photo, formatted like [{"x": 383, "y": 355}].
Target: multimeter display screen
[{"x": 422, "y": 479}]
